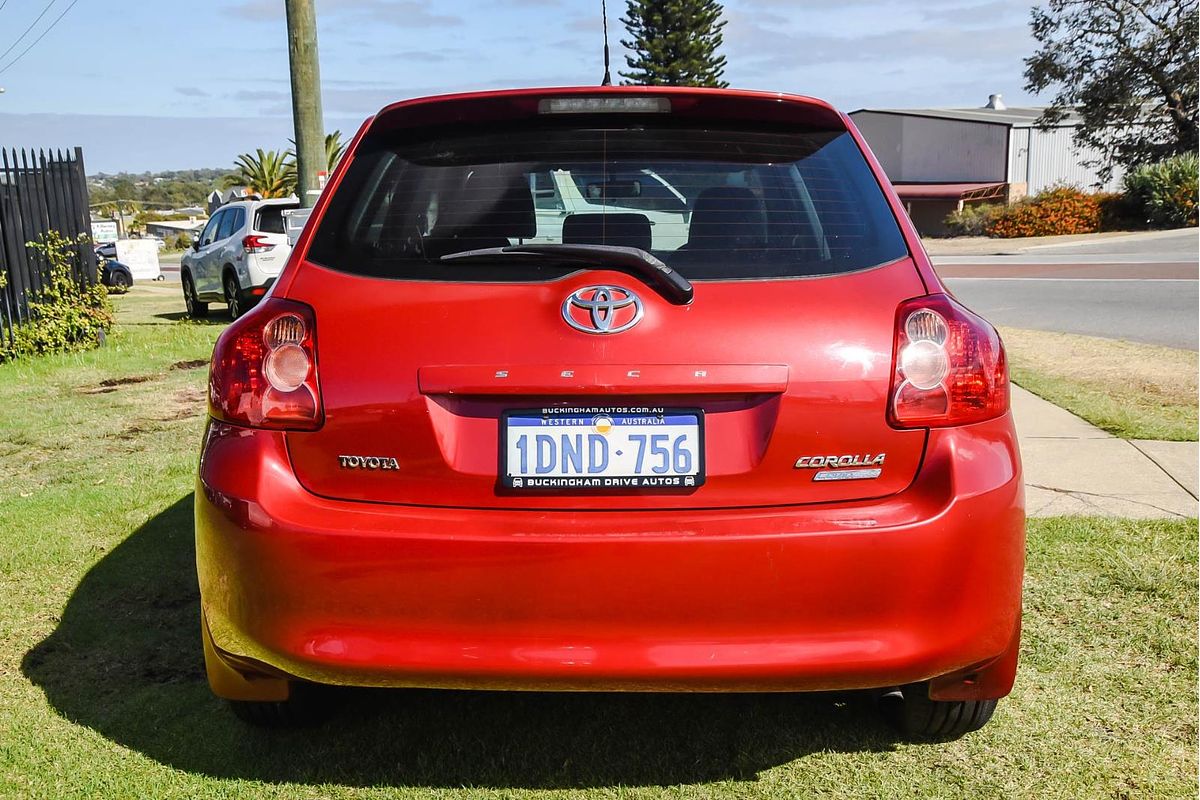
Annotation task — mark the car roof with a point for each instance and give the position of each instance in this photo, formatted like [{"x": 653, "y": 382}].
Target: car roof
[{"x": 274, "y": 201}]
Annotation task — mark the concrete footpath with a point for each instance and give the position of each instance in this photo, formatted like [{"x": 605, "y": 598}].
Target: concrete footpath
[
  {"x": 1073, "y": 467},
  {"x": 1117, "y": 246}
]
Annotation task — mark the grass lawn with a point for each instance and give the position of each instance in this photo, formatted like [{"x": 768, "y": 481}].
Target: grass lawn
[
  {"x": 1135, "y": 391},
  {"x": 102, "y": 690}
]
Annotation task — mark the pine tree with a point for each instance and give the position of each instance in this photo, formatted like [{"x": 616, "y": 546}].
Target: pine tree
[{"x": 674, "y": 43}]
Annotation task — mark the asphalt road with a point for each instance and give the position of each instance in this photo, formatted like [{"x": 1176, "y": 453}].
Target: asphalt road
[
  {"x": 1152, "y": 311},
  {"x": 1143, "y": 289}
]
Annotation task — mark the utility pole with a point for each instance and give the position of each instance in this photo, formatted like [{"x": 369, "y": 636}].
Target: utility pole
[{"x": 306, "y": 96}]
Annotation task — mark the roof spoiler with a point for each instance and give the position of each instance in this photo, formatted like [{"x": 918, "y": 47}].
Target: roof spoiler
[{"x": 514, "y": 104}]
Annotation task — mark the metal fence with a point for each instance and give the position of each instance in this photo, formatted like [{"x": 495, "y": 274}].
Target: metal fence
[{"x": 39, "y": 192}]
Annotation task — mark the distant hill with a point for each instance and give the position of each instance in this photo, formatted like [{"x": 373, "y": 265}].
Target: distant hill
[
  {"x": 203, "y": 174},
  {"x": 172, "y": 188}
]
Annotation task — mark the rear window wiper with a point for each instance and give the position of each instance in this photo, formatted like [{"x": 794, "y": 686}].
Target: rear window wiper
[{"x": 630, "y": 260}]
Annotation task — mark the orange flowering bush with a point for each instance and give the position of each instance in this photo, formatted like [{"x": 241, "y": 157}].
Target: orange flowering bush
[{"x": 1056, "y": 211}]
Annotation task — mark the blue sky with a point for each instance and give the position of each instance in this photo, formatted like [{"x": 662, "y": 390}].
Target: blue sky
[{"x": 175, "y": 84}]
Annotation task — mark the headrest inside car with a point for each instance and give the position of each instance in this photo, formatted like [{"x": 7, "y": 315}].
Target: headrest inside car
[
  {"x": 727, "y": 218},
  {"x": 489, "y": 204},
  {"x": 623, "y": 230}
]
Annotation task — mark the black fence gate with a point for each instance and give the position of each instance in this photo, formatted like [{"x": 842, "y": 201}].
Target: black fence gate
[{"x": 38, "y": 193}]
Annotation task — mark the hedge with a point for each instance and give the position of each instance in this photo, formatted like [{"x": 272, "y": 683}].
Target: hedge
[
  {"x": 1165, "y": 192},
  {"x": 1056, "y": 211}
]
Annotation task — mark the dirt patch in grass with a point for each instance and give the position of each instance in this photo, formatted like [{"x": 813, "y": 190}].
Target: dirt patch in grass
[
  {"x": 1136, "y": 391},
  {"x": 195, "y": 363},
  {"x": 113, "y": 384},
  {"x": 125, "y": 381},
  {"x": 182, "y": 404},
  {"x": 187, "y": 402}
]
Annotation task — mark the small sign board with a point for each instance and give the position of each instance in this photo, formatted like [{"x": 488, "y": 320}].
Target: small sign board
[
  {"x": 141, "y": 256},
  {"x": 104, "y": 231}
]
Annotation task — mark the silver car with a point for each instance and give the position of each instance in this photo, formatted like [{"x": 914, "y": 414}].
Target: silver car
[{"x": 236, "y": 257}]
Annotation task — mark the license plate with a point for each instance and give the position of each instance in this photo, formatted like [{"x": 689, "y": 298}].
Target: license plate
[{"x": 585, "y": 449}]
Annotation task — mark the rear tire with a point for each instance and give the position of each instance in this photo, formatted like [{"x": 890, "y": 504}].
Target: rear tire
[
  {"x": 305, "y": 706},
  {"x": 120, "y": 281},
  {"x": 918, "y": 718},
  {"x": 233, "y": 297},
  {"x": 195, "y": 308}
]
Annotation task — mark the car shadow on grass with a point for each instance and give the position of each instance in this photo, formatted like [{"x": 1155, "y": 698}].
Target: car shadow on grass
[
  {"x": 125, "y": 661},
  {"x": 215, "y": 316}
]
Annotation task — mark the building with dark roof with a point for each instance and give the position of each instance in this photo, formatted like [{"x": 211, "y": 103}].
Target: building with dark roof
[{"x": 942, "y": 158}]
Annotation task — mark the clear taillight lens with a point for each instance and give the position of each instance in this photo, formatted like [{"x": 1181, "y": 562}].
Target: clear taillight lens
[
  {"x": 264, "y": 369},
  {"x": 948, "y": 367}
]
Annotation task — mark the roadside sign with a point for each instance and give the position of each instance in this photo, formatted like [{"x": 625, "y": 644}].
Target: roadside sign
[{"x": 141, "y": 256}]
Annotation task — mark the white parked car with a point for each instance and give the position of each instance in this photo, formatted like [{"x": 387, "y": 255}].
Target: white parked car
[
  {"x": 236, "y": 257},
  {"x": 636, "y": 208}
]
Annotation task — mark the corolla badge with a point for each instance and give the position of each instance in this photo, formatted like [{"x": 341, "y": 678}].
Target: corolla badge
[
  {"x": 855, "y": 460},
  {"x": 602, "y": 309}
]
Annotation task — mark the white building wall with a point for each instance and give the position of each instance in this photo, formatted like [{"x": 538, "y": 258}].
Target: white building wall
[{"x": 1043, "y": 159}]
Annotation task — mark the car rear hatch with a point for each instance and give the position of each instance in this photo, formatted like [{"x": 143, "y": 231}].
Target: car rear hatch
[
  {"x": 271, "y": 247},
  {"x": 782, "y": 361}
]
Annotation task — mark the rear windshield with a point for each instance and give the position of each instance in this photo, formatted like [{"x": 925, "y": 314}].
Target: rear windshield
[
  {"x": 269, "y": 219},
  {"x": 712, "y": 203}
]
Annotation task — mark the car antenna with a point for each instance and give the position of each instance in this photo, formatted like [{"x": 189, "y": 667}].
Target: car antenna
[{"x": 607, "y": 80}]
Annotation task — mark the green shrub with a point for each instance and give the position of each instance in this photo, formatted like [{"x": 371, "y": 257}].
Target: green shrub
[
  {"x": 973, "y": 220},
  {"x": 1166, "y": 192},
  {"x": 1118, "y": 212},
  {"x": 66, "y": 316}
]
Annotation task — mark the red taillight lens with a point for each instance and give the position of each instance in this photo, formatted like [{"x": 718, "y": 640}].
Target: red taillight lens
[
  {"x": 264, "y": 369},
  {"x": 948, "y": 367},
  {"x": 256, "y": 244}
]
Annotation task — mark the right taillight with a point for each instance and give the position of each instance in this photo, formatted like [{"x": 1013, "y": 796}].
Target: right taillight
[
  {"x": 948, "y": 367},
  {"x": 264, "y": 369}
]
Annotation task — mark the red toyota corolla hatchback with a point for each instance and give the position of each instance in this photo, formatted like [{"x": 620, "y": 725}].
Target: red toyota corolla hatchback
[{"x": 637, "y": 389}]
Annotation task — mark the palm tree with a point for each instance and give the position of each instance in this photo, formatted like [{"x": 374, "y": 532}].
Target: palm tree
[
  {"x": 267, "y": 173},
  {"x": 334, "y": 149}
]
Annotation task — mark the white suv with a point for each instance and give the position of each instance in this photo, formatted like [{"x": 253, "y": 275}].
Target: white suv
[{"x": 237, "y": 256}]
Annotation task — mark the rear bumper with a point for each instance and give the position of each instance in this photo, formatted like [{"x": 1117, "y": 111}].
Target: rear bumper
[{"x": 922, "y": 584}]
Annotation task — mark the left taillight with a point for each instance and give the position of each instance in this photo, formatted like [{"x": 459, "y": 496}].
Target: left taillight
[
  {"x": 264, "y": 369},
  {"x": 948, "y": 367}
]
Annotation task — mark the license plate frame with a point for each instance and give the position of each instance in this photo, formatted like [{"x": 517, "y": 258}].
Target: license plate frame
[{"x": 609, "y": 483}]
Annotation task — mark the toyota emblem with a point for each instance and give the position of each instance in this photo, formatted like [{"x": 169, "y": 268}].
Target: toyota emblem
[{"x": 602, "y": 309}]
